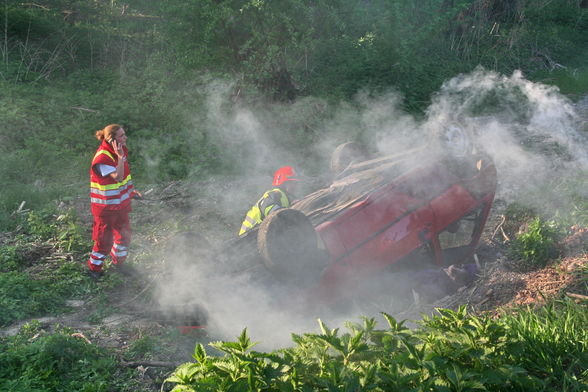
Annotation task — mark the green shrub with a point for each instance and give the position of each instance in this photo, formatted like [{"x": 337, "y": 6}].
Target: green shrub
[
  {"x": 537, "y": 245},
  {"x": 10, "y": 258},
  {"x": 453, "y": 351}
]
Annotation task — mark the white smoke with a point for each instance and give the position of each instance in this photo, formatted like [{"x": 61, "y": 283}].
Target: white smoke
[
  {"x": 529, "y": 129},
  {"x": 510, "y": 118}
]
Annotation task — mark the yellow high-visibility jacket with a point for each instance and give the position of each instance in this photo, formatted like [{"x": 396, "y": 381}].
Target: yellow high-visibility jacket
[{"x": 271, "y": 200}]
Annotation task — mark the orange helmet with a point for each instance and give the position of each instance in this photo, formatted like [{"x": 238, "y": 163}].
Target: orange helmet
[{"x": 283, "y": 174}]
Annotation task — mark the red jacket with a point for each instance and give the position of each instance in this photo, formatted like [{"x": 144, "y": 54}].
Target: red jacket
[{"x": 106, "y": 194}]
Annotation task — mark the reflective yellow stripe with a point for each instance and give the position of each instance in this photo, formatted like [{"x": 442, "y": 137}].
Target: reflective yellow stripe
[
  {"x": 254, "y": 215},
  {"x": 103, "y": 152},
  {"x": 283, "y": 198},
  {"x": 284, "y": 202},
  {"x": 110, "y": 186},
  {"x": 269, "y": 209},
  {"x": 252, "y": 219}
]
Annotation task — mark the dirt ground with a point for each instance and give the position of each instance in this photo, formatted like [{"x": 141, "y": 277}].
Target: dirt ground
[{"x": 501, "y": 284}]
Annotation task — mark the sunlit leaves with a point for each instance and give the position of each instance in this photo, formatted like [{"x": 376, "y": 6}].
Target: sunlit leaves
[{"x": 453, "y": 351}]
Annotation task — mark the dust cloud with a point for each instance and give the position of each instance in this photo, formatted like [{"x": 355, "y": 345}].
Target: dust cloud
[{"x": 531, "y": 131}]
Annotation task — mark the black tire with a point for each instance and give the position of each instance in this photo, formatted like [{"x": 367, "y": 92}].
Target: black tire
[
  {"x": 287, "y": 242},
  {"x": 345, "y": 154}
]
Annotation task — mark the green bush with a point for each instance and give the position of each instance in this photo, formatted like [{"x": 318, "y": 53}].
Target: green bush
[
  {"x": 10, "y": 258},
  {"x": 537, "y": 245},
  {"x": 452, "y": 351}
]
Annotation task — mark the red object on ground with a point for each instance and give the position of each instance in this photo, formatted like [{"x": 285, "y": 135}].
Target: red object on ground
[{"x": 186, "y": 329}]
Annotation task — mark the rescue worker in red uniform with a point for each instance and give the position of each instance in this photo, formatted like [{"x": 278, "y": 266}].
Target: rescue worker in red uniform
[
  {"x": 285, "y": 186},
  {"x": 111, "y": 191}
]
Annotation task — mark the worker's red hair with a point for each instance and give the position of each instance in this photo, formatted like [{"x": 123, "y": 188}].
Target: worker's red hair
[{"x": 108, "y": 132}]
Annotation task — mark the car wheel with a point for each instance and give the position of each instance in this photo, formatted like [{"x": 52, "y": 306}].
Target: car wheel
[
  {"x": 346, "y": 154},
  {"x": 287, "y": 242},
  {"x": 455, "y": 140}
]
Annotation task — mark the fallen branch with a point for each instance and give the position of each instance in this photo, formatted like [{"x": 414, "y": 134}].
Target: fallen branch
[
  {"x": 85, "y": 109},
  {"x": 81, "y": 336},
  {"x": 151, "y": 363},
  {"x": 482, "y": 302},
  {"x": 578, "y": 296},
  {"x": 504, "y": 235},
  {"x": 37, "y": 5},
  {"x": 498, "y": 226}
]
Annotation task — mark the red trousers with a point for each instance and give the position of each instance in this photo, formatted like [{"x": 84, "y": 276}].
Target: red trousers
[{"x": 111, "y": 234}]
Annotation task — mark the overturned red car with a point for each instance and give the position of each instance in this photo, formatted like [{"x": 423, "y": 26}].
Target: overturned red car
[{"x": 417, "y": 207}]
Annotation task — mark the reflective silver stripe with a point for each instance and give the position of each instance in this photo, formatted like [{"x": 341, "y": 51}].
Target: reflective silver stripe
[
  {"x": 97, "y": 258},
  {"x": 245, "y": 228},
  {"x": 119, "y": 250},
  {"x": 105, "y": 193},
  {"x": 248, "y": 219},
  {"x": 110, "y": 201},
  {"x": 96, "y": 261}
]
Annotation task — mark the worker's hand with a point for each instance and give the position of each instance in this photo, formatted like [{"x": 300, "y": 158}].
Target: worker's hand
[
  {"x": 137, "y": 195},
  {"x": 118, "y": 148}
]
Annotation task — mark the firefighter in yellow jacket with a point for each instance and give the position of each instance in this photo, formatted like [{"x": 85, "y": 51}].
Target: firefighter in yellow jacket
[{"x": 285, "y": 184}]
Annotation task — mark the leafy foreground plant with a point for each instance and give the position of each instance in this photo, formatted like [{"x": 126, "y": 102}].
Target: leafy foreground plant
[{"x": 528, "y": 351}]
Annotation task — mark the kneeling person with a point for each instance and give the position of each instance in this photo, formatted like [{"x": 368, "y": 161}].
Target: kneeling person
[{"x": 280, "y": 196}]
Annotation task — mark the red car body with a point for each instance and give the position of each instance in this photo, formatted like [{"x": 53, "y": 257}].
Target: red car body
[{"x": 403, "y": 212}]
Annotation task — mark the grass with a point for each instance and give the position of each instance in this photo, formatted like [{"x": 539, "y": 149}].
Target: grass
[
  {"x": 571, "y": 81},
  {"x": 33, "y": 361},
  {"x": 31, "y": 285},
  {"x": 23, "y": 295}
]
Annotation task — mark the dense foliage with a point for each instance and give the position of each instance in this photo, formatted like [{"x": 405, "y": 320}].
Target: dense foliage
[
  {"x": 453, "y": 351},
  {"x": 69, "y": 67}
]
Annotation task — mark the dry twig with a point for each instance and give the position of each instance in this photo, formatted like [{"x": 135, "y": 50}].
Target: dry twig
[
  {"x": 81, "y": 336},
  {"x": 499, "y": 226},
  {"x": 578, "y": 296},
  {"x": 151, "y": 363}
]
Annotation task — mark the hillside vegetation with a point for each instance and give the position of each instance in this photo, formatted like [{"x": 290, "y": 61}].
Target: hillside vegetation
[
  {"x": 214, "y": 95},
  {"x": 70, "y": 67}
]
